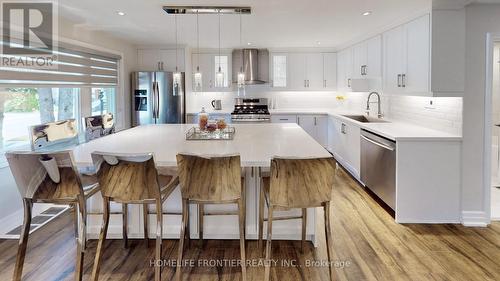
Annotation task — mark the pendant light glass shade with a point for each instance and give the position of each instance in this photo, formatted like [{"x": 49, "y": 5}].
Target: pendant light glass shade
[
  {"x": 219, "y": 75},
  {"x": 241, "y": 75},
  {"x": 197, "y": 80},
  {"x": 219, "y": 78},
  {"x": 177, "y": 75},
  {"x": 197, "y": 76}
]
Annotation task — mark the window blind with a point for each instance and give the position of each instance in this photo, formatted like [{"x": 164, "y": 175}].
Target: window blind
[{"x": 74, "y": 66}]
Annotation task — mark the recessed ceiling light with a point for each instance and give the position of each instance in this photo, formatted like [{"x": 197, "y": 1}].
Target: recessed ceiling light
[
  {"x": 318, "y": 42},
  {"x": 367, "y": 13},
  {"x": 249, "y": 43},
  {"x": 120, "y": 13}
]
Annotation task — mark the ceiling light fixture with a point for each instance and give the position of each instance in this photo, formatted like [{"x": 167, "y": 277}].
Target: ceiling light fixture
[
  {"x": 177, "y": 74},
  {"x": 219, "y": 75},
  {"x": 120, "y": 13},
  {"x": 367, "y": 13},
  {"x": 207, "y": 9},
  {"x": 249, "y": 43},
  {"x": 318, "y": 42},
  {"x": 197, "y": 76}
]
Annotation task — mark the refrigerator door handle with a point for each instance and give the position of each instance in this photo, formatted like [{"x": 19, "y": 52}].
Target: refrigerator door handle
[
  {"x": 158, "y": 100},
  {"x": 154, "y": 100}
]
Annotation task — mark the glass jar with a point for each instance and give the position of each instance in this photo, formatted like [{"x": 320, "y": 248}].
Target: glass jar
[{"x": 203, "y": 119}]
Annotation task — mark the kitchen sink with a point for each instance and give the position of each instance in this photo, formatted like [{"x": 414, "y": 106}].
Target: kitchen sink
[{"x": 365, "y": 119}]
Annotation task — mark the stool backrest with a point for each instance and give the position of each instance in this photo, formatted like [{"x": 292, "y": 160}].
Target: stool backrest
[
  {"x": 216, "y": 179},
  {"x": 53, "y": 174},
  {"x": 98, "y": 126},
  {"x": 127, "y": 177},
  {"x": 50, "y": 134},
  {"x": 300, "y": 183}
]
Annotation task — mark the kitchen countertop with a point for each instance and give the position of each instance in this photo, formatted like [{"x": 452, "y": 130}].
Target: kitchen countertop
[
  {"x": 394, "y": 130},
  {"x": 212, "y": 111},
  {"x": 256, "y": 144}
]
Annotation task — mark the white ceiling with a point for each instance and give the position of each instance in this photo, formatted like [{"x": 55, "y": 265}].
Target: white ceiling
[{"x": 272, "y": 24}]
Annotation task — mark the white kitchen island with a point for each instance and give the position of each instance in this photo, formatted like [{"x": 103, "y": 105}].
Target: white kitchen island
[{"x": 256, "y": 144}]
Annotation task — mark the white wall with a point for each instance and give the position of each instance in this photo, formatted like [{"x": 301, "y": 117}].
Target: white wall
[{"x": 480, "y": 19}]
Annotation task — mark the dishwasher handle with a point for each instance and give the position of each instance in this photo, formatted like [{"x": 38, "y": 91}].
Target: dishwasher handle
[{"x": 378, "y": 143}]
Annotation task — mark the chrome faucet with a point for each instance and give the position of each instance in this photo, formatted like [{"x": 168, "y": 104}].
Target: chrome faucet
[{"x": 379, "y": 114}]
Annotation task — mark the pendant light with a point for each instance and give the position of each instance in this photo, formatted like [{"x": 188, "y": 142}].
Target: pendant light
[
  {"x": 197, "y": 76},
  {"x": 177, "y": 74},
  {"x": 219, "y": 75},
  {"x": 241, "y": 73}
]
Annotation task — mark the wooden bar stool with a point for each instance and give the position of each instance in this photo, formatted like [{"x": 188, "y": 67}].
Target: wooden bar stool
[
  {"x": 131, "y": 179},
  {"x": 51, "y": 178},
  {"x": 211, "y": 180},
  {"x": 296, "y": 183}
]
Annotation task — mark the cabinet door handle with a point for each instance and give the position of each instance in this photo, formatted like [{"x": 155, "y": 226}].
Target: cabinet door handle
[
  {"x": 362, "y": 70},
  {"x": 159, "y": 68},
  {"x": 403, "y": 80},
  {"x": 399, "y": 80},
  {"x": 283, "y": 119},
  {"x": 315, "y": 123},
  {"x": 298, "y": 120},
  {"x": 343, "y": 129},
  {"x": 349, "y": 82},
  {"x": 305, "y": 84}
]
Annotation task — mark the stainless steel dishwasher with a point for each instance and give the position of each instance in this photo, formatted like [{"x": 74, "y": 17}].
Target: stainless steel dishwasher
[{"x": 378, "y": 166}]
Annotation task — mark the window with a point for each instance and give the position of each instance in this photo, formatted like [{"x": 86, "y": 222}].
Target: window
[
  {"x": 279, "y": 71},
  {"x": 21, "y": 108},
  {"x": 222, "y": 61},
  {"x": 103, "y": 101}
]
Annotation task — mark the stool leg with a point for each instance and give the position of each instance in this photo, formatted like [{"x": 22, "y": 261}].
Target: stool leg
[
  {"x": 328, "y": 234},
  {"x": 178, "y": 271},
  {"x": 267, "y": 271},
  {"x": 261, "y": 217},
  {"x": 82, "y": 238},
  {"x": 102, "y": 239},
  {"x": 125, "y": 222},
  {"x": 75, "y": 219},
  {"x": 23, "y": 240},
  {"x": 188, "y": 231},
  {"x": 304, "y": 227},
  {"x": 159, "y": 233},
  {"x": 146, "y": 223},
  {"x": 242, "y": 239},
  {"x": 200, "y": 222}
]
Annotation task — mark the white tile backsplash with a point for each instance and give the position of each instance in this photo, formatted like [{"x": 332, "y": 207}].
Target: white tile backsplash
[{"x": 444, "y": 114}]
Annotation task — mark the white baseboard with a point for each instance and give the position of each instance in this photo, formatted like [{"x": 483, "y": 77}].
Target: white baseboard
[{"x": 475, "y": 219}]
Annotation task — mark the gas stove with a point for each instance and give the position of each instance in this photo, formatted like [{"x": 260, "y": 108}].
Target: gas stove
[{"x": 250, "y": 110}]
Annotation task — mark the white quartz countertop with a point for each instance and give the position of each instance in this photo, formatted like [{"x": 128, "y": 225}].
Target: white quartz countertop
[
  {"x": 394, "y": 130},
  {"x": 256, "y": 144},
  {"x": 211, "y": 111}
]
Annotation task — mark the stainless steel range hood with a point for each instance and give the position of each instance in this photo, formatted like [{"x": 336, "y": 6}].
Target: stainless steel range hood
[{"x": 254, "y": 63}]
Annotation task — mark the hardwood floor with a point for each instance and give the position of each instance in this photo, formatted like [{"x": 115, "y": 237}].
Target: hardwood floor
[{"x": 364, "y": 236}]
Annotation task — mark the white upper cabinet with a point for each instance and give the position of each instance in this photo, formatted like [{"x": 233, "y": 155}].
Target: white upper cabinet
[
  {"x": 306, "y": 71},
  {"x": 170, "y": 58},
  {"x": 297, "y": 70},
  {"x": 209, "y": 65},
  {"x": 417, "y": 75},
  {"x": 160, "y": 59},
  {"x": 330, "y": 71},
  {"x": 344, "y": 70},
  {"x": 373, "y": 66},
  {"x": 407, "y": 58},
  {"x": 314, "y": 74},
  {"x": 279, "y": 70}
]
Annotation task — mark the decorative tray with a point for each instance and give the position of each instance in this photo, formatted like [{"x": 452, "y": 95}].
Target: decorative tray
[{"x": 196, "y": 134}]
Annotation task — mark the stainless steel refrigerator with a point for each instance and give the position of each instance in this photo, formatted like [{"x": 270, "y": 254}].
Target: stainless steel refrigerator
[{"x": 155, "y": 101}]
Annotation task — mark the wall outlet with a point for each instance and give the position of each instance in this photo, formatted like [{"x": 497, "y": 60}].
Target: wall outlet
[{"x": 430, "y": 105}]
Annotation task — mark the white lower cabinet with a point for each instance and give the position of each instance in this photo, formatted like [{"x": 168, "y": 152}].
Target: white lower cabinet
[
  {"x": 315, "y": 125},
  {"x": 344, "y": 143}
]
